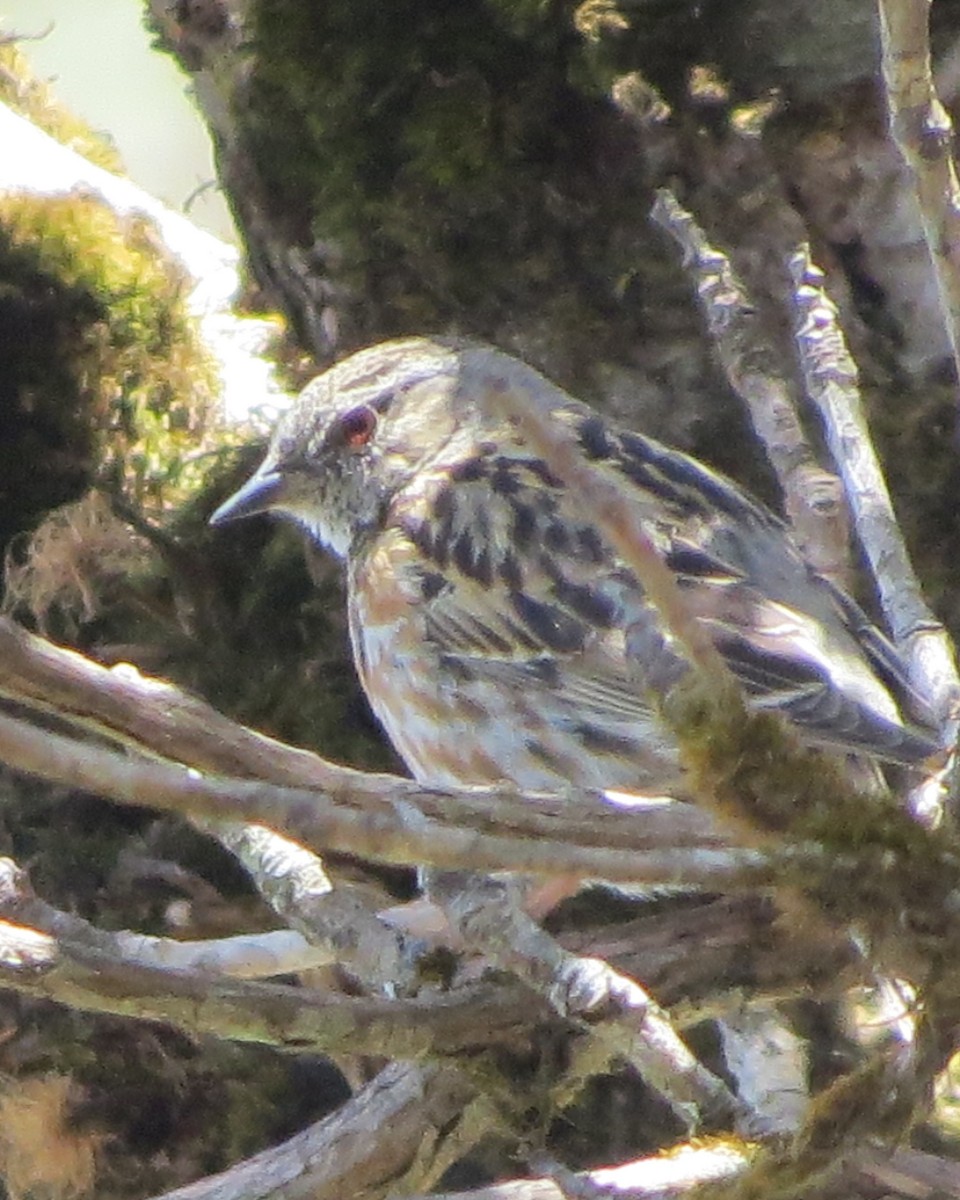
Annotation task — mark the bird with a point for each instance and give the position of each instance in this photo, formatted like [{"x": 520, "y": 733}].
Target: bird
[{"x": 493, "y": 626}]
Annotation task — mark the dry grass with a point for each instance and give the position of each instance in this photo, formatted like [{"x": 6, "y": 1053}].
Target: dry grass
[
  {"x": 40, "y": 1155},
  {"x": 70, "y": 563}
]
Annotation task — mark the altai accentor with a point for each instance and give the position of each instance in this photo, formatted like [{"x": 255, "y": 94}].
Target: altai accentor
[{"x": 490, "y": 619}]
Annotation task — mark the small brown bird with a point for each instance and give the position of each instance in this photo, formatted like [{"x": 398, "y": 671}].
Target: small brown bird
[{"x": 491, "y": 621}]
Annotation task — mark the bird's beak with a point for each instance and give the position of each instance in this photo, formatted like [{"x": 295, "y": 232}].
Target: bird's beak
[{"x": 262, "y": 491}]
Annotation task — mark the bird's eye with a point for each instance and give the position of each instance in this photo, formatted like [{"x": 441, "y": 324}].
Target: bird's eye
[{"x": 357, "y": 427}]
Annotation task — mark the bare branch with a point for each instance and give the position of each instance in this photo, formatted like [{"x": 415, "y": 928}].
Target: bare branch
[
  {"x": 908, "y": 1173},
  {"x": 273, "y": 952},
  {"x": 641, "y": 1033},
  {"x": 152, "y": 714},
  {"x": 394, "y": 1135},
  {"x": 242, "y": 956},
  {"x": 625, "y": 1021},
  {"x": 812, "y": 497},
  {"x": 922, "y": 131},
  {"x": 289, "y": 1018},
  {"x": 155, "y": 716},
  {"x": 393, "y": 830},
  {"x": 149, "y": 713},
  {"x": 339, "y": 921},
  {"x": 833, "y": 385},
  {"x": 681, "y": 1170},
  {"x": 700, "y": 960}
]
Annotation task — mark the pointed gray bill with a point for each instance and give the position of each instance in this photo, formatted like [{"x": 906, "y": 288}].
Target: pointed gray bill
[{"x": 259, "y": 494}]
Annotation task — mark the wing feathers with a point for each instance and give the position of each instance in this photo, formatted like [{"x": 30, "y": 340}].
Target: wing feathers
[{"x": 532, "y": 582}]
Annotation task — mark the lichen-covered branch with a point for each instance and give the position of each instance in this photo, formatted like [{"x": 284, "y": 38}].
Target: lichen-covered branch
[{"x": 156, "y": 716}]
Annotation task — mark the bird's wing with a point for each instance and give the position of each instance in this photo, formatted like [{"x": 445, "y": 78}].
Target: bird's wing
[{"x": 518, "y": 587}]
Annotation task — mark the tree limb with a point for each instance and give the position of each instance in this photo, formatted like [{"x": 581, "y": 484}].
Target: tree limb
[{"x": 393, "y": 830}]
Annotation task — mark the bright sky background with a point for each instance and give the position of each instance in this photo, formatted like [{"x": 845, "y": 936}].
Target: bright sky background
[{"x": 99, "y": 59}]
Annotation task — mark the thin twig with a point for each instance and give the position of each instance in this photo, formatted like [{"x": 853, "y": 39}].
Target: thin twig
[
  {"x": 908, "y": 1173},
  {"x": 833, "y": 384},
  {"x": 12, "y": 38},
  {"x": 681, "y": 1170}
]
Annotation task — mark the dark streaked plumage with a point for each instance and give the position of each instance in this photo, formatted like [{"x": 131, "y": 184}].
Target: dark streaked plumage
[{"x": 491, "y": 621}]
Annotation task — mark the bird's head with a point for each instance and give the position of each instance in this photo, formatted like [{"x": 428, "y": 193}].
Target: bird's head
[{"x": 354, "y": 437}]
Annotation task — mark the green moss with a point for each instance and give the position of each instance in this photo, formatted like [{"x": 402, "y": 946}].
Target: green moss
[
  {"x": 874, "y": 865},
  {"x": 36, "y": 101},
  {"x": 432, "y": 157},
  {"x": 103, "y": 372},
  {"x": 104, "y": 380}
]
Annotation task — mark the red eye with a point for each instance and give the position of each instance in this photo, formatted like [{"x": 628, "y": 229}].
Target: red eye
[{"x": 357, "y": 427}]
